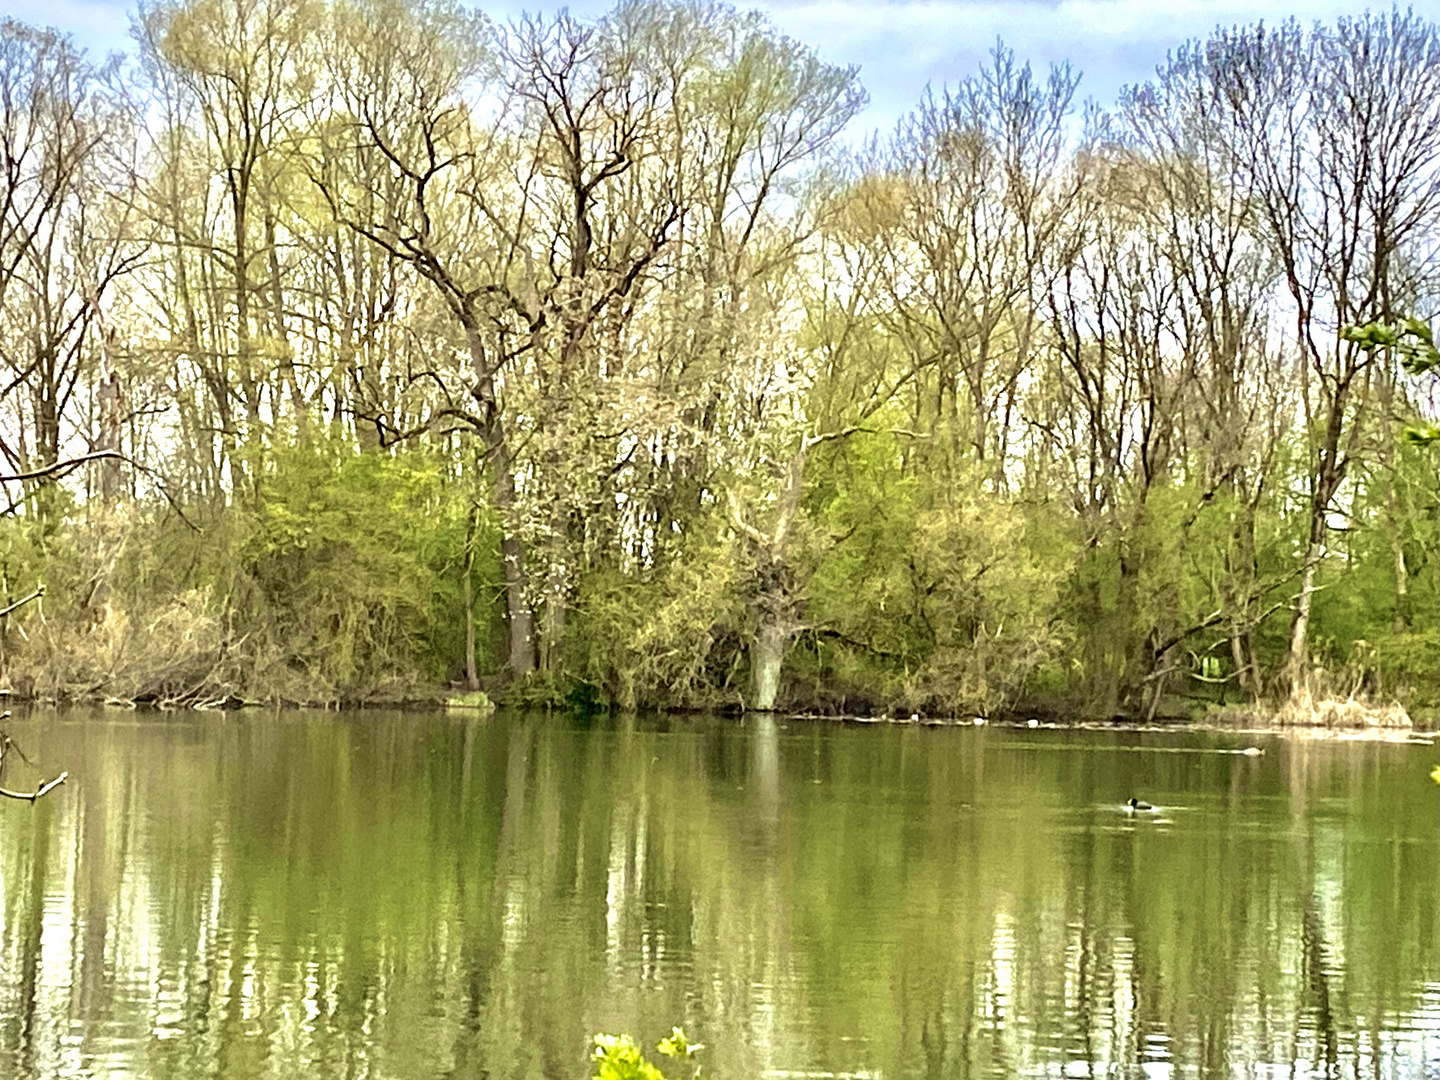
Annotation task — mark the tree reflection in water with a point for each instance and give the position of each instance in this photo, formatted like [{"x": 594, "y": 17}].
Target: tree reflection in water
[{"x": 380, "y": 895}]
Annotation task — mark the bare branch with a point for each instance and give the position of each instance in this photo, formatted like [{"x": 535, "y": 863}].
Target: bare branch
[
  {"x": 61, "y": 467},
  {"x": 39, "y": 592}
]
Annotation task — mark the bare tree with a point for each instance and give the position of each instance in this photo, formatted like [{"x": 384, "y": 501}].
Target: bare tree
[
  {"x": 233, "y": 79},
  {"x": 1337, "y": 131},
  {"x": 62, "y": 240},
  {"x": 982, "y": 168}
]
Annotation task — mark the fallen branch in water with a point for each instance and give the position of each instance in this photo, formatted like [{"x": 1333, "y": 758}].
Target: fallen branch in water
[
  {"x": 6, "y": 745},
  {"x": 43, "y": 789}
]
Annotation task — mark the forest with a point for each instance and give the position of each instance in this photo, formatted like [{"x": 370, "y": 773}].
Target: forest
[{"x": 355, "y": 350}]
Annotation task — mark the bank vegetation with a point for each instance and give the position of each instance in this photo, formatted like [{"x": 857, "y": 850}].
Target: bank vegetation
[{"x": 354, "y": 348}]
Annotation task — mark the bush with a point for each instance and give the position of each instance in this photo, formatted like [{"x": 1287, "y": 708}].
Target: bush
[{"x": 339, "y": 579}]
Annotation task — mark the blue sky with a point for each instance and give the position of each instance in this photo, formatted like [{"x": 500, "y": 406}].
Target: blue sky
[{"x": 900, "y": 45}]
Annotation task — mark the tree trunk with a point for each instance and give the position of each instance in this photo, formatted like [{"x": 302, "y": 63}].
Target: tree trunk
[
  {"x": 1401, "y": 621},
  {"x": 521, "y": 619},
  {"x": 1241, "y": 653},
  {"x": 767, "y": 653},
  {"x": 1329, "y": 474},
  {"x": 240, "y": 272},
  {"x": 553, "y": 627},
  {"x": 467, "y": 592},
  {"x": 45, "y": 490},
  {"x": 109, "y": 406},
  {"x": 1237, "y": 595},
  {"x": 291, "y": 382},
  {"x": 1295, "y": 662},
  {"x": 778, "y": 603}
]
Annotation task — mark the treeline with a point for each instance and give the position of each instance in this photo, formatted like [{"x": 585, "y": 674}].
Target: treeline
[{"x": 587, "y": 360}]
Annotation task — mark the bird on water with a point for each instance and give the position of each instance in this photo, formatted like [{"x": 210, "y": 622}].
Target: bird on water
[{"x": 1136, "y": 804}]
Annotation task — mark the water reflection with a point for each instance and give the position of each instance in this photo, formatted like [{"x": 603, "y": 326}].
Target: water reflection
[{"x": 384, "y": 896}]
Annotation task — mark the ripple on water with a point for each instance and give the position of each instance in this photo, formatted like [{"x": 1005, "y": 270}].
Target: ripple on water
[{"x": 401, "y": 897}]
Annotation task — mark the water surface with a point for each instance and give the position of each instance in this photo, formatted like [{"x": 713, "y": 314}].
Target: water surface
[{"x": 375, "y": 895}]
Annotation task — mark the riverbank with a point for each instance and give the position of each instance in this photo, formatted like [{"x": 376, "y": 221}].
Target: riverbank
[{"x": 1350, "y": 718}]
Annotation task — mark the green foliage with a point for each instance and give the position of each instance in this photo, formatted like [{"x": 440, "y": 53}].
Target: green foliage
[
  {"x": 338, "y": 580},
  {"x": 617, "y": 1057},
  {"x": 667, "y": 637},
  {"x": 1411, "y": 339},
  {"x": 934, "y": 597},
  {"x": 1362, "y": 633},
  {"x": 1405, "y": 666},
  {"x": 1413, "y": 343},
  {"x": 355, "y": 559}
]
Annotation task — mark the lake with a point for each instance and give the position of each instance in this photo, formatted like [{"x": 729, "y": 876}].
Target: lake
[{"x": 411, "y": 896}]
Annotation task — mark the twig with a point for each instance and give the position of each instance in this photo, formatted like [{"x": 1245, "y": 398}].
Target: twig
[
  {"x": 6, "y": 745},
  {"x": 39, "y": 592}
]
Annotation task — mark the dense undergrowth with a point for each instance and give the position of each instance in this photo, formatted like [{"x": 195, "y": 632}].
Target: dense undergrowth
[{"x": 340, "y": 580}]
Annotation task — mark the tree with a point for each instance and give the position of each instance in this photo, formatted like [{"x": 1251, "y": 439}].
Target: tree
[
  {"x": 238, "y": 70},
  {"x": 984, "y": 190},
  {"x": 424, "y": 197},
  {"x": 63, "y": 245},
  {"x": 1338, "y": 130},
  {"x": 1241, "y": 393}
]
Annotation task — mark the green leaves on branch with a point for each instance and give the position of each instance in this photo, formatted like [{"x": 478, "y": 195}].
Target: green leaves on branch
[
  {"x": 1413, "y": 344},
  {"x": 617, "y": 1057},
  {"x": 1412, "y": 340}
]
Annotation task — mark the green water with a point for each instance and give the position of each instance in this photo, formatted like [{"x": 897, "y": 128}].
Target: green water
[{"x": 374, "y": 895}]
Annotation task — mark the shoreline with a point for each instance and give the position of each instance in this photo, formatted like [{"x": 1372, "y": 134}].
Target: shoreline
[{"x": 480, "y": 705}]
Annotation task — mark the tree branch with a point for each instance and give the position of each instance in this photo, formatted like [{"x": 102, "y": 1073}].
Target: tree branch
[
  {"x": 43, "y": 789},
  {"x": 39, "y": 592},
  {"x": 61, "y": 466}
]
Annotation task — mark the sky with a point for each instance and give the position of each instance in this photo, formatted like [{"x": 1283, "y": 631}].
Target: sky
[{"x": 899, "y": 45}]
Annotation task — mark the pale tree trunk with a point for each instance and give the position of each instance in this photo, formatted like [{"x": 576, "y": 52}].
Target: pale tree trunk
[
  {"x": 778, "y": 602},
  {"x": 767, "y": 655},
  {"x": 521, "y": 620},
  {"x": 1329, "y": 474},
  {"x": 1394, "y": 527},
  {"x": 1401, "y": 623},
  {"x": 552, "y": 658},
  {"x": 291, "y": 382},
  {"x": 109, "y": 406},
  {"x": 244, "y": 357},
  {"x": 109, "y": 403},
  {"x": 557, "y": 544},
  {"x": 1296, "y": 661}
]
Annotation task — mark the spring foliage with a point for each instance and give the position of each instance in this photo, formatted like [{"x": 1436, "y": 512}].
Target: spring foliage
[{"x": 352, "y": 347}]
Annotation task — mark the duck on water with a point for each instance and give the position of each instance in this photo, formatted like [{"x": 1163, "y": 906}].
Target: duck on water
[{"x": 1137, "y": 804}]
